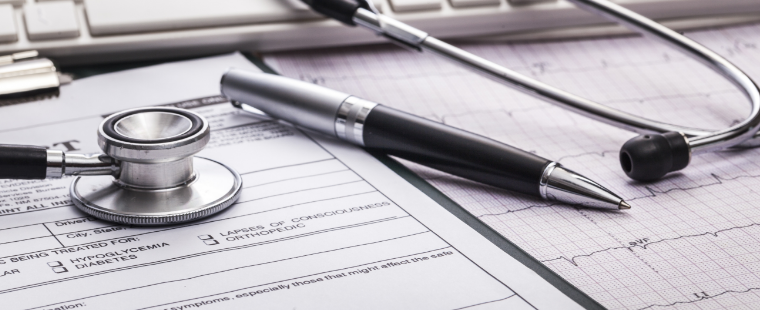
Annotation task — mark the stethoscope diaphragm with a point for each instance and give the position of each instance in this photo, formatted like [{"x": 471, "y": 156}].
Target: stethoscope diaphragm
[
  {"x": 160, "y": 181},
  {"x": 148, "y": 174}
]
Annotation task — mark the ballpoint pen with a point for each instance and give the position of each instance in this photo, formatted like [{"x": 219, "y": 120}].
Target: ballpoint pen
[{"x": 378, "y": 127}]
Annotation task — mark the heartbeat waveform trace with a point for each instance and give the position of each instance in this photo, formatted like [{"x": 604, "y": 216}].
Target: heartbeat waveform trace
[
  {"x": 521, "y": 209},
  {"x": 510, "y": 112},
  {"x": 718, "y": 181},
  {"x": 646, "y": 245},
  {"x": 701, "y": 298},
  {"x": 600, "y": 154},
  {"x": 525, "y": 67},
  {"x": 652, "y": 192}
]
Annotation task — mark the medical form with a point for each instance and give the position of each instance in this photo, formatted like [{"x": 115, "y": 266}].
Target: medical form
[{"x": 320, "y": 224}]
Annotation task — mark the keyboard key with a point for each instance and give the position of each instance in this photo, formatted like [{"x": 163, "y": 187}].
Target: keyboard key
[
  {"x": 51, "y": 20},
  {"x": 521, "y": 2},
  {"x": 7, "y": 24},
  {"x": 14, "y": 2},
  {"x": 469, "y": 3},
  {"x": 415, "y": 5},
  {"x": 129, "y": 16}
]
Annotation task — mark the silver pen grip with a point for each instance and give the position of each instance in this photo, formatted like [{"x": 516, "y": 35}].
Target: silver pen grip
[
  {"x": 352, "y": 114},
  {"x": 300, "y": 103}
]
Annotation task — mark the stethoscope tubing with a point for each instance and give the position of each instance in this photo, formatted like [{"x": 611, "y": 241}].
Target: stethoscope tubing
[{"x": 700, "y": 141}]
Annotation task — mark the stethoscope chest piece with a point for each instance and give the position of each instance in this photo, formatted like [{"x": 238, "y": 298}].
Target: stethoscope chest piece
[{"x": 160, "y": 181}]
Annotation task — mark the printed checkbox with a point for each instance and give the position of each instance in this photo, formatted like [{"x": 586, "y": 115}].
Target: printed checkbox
[
  {"x": 211, "y": 242},
  {"x": 60, "y": 269},
  {"x": 55, "y": 264},
  {"x": 205, "y": 237}
]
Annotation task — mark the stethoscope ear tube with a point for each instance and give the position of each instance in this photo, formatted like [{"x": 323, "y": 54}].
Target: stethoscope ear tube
[
  {"x": 22, "y": 162},
  {"x": 29, "y": 162},
  {"x": 638, "y": 164},
  {"x": 700, "y": 141}
]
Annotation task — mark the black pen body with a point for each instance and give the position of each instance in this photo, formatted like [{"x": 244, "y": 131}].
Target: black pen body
[
  {"x": 387, "y": 130},
  {"x": 380, "y": 128},
  {"x": 452, "y": 150}
]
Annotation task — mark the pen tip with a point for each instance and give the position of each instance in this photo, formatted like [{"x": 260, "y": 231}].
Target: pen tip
[{"x": 623, "y": 205}]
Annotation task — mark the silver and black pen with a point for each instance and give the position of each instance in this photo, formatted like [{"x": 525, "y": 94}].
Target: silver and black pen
[{"x": 378, "y": 127}]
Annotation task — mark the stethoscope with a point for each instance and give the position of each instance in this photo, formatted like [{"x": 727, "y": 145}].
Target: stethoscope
[
  {"x": 661, "y": 147},
  {"x": 148, "y": 174}
]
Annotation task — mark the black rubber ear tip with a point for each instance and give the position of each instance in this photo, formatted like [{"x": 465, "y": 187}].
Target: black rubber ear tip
[
  {"x": 650, "y": 157},
  {"x": 341, "y": 10}
]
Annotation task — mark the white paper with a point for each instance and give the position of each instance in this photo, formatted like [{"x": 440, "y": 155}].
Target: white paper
[
  {"x": 320, "y": 224},
  {"x": 691, "y": 240}
]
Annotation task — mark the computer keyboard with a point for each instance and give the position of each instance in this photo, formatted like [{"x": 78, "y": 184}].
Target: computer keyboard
[{"x": 92, "y": 31}]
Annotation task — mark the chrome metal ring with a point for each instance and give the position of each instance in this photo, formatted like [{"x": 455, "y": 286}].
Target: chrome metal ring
[
  {"x": 544, "y": 183},
  {"x": 349, "y": 122},
  {"x": 161, "y": 149},
  {"x": 215, "y": 188},
  {"x": 56, "y": 163}
]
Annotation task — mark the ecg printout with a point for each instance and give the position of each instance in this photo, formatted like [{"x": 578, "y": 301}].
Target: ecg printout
[
  {"x": 320, "y": 224},
  {"x": 691, "y": 240}
]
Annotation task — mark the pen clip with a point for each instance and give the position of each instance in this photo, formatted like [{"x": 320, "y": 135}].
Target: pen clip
[
  {"x": 9, "y": 59},
  {"x": 25, "y": 77}
]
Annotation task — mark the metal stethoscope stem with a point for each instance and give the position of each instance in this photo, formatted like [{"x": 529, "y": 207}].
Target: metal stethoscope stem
[{"x": 697, "y": 141}]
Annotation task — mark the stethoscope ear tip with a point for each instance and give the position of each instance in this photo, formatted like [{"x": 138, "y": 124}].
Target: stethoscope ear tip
[{"x": 649, "y": 157}]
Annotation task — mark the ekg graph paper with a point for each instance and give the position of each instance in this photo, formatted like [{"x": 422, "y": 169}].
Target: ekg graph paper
[{"x": 691, "y": 240}]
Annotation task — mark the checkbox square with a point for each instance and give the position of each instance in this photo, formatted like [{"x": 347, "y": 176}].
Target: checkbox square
[
  {"x": 211, "y": 242},
  {"x": 205, "y": 237},
  {"x": 60, "y": 269},
  {"x": 55, "y": 264}
]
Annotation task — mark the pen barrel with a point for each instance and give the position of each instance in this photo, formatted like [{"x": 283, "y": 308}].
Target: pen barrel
[{"x": 453, "y": 150}]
